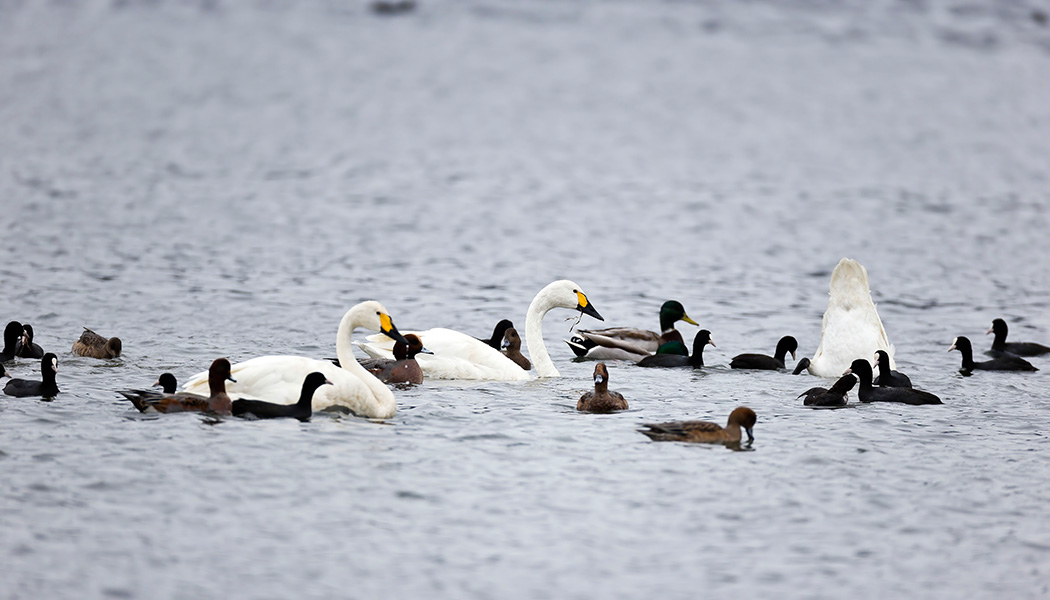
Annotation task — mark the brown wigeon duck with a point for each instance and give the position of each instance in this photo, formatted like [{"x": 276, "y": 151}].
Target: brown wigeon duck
[
  {"x": 94, "y": 345},
  {"x": 705, "y": 432},
  {"x": 630, "y": 343},
  {"x": 888, "y": 377},
  {"x": 404, "y": 368},
  {"x": 302, "y": 410},
  {"x": 47, "y": 388},
  {"x": 12, "y": 338},
  {"x": 26, "y": 348},
  {"x": 836, "y": 396},
  {"x": 674, "y": 358},
  {"x": 218, "y": 402},
  {"x": 512, "y": 348},
  {"x": 867, "y": 393},
  {"x": 601, "y": 400},
  {"x": 763, "y": 361},
  {"x": 1005, "y": 362},
  {"x": 1000, "y": 346}
]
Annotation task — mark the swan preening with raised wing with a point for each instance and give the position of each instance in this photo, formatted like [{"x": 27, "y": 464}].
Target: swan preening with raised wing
[
  {"x": 851, "y": 328},
  {"x": 280, "y": 378},
  {"x": 460, "y": 356}
]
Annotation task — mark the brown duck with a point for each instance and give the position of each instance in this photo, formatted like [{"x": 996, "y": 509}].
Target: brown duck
[
  {"x": 404, "y": 368},
  {"x": 94, "y": 345},
  {"x": 512, "y": 349},
  {"x": 218, "y": 402},
  {"x": 704, "y": 431},
  {"x": 601, "y": 400}
]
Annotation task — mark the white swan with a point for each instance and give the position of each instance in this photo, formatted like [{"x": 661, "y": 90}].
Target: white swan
[
  {"x": 460, "y": 356},
  {"x": 280, "y": 378},
  {"x": 851, "y": 328}
]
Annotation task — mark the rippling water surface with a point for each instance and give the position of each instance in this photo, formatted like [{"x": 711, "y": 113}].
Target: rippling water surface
[{"x": 212, "y": 179}]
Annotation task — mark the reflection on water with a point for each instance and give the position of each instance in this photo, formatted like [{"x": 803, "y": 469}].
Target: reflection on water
[{"x": 218, "y": 179}]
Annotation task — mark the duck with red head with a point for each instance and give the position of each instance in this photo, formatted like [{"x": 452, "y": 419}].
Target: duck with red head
[
  {"x": 705, "y": 432},
  {"x": 601, "y": 400},
  {"x": 217, "y": 402}
]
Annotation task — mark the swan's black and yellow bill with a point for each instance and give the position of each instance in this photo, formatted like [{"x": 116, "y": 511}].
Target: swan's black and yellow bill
[
  {"x": 386, "y": 325},
  {"x": 585, "y": 307}
]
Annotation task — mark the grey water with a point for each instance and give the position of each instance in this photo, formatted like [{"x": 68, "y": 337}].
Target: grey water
[{"x": 215, "y": 178}]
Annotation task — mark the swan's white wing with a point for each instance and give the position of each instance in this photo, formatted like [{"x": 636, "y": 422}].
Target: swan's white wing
[
  {"x": 280, "y": 379},
  {"x": 456, "y": 356},
  {"x": 851, "y": 327}
]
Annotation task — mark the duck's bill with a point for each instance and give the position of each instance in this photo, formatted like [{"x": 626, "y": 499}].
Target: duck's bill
[
  {"x": 230, "y": 378},
  {"x": 386, "y": 325},
  {"x": 711, "y": 341},
  {"x": 598, "y": 379},
  {"x": 792, "y": 355},
  {"x": 750, "y": 436},
  {"x": 990, "y": 330},
  {"x": 425, "y": 351},
  {"x": 690, "y": 321}
]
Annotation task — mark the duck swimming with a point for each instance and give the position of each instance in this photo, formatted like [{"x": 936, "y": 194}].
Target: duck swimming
[
  {"x": 629, "y": 343},
  {"x": 512, "y": 349},
  {"x": 763, "y": 361},
  {"x": 836, "y": 396},
  {"x": 601, "y": 400},
  {"x": 301, "y": 410},
  {"x": 217, "y": 401},
  {"x": 887, "y": 377},
  {"x": 403, "y": 368},
  {"x": 460, "y": 356},
  {"x": 851, "y": 325},
  {"x": 704, "y": 432},
  {"x": 94, "y": 345},
  {"x": 496, "y": 341},
  {"x": 12, "y": 337},
  {"x": 167, "y": 383},
  {"x": 280, "y": 378},
  {"x": 27, "y": 349},
  {"x": 1006, "y": 362},
  {"x": 862, "y": 369},
  {"x": 1000, "y": 346},
  {"x": 676, "y": 359},
  {"x": 24, "y": 388}
]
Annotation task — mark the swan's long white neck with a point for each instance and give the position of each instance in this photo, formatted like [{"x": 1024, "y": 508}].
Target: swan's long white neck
[
  {"x": 539, "y": 307},
  {"x": 344, "y": 343}
]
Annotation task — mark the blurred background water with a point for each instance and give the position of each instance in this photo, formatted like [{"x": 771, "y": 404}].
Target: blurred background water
[{"x": 219, "y": 178}]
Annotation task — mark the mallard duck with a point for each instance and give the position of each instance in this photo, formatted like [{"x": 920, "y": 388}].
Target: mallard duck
[
  {"x": 629, "y": 343},
  {"x": 280, "y": 378},
  {"x": 1000, "y": 346},
  {"x": 601, "y": 400},
  {"x": 867, "y": 393},
  {"x": 94, "y": 345},
  {"x": 217, "y": 401},
  {"x": 762, "y": 361},
  {"x": 1006, "y": 362},
  {"x": 705, "y": 432},
  {"x": 47, "y": 388},
  {"x": 460, "y": 356},
  {"x": 302, "y": 410},
  {"x": 851, "y": 325},
  {"x": 670, "y": 355}
]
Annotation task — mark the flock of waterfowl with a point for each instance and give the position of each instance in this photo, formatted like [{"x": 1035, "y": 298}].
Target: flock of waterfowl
[{"x": 295, "y": 386}]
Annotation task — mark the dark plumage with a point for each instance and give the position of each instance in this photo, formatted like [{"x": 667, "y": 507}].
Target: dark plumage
[
  {"x": 167, "y": 382},
  {"x": 12, "y": 337},
  {"x": 705, "y": 431},
  {"x": 94, "y": 345},
  {"x": 887, "y": 377},
  {"x": 26, "y": 348},
  {"x": 403, "y": 368},
  {"x": 836, "y": 396},
  {"x": 601, "y": 400},
  {"x": 762, "y": 361},
  {"x": 1000, "y": 346},
  {"x": 496, "y": 341},
  {"x": 47, "y": 388},
  {"x": 512, "y": 349},
  {"x": 862, "y": 369},
  {"x": 218, "y": 402},
  {"x": 702, "y": 338},
  {"x": 801, "y": 366},
  {"x": 1006, "y": 362},
  {"x": 302, "y": 410}
]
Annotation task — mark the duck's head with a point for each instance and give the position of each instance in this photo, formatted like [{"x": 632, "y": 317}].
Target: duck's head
[
  {"x": 998, "y": 328},
  {"x": 315, "y": 380},
  {"x": 861, "y": 368},
  {"x": 12, "y": 333},
  {"x": 167, "y": 382},
  {"x": 703, "y": 338},
  {"x": 746, "y": 418},
  {"x": 672, "y": 311},
  {"x": 49, "y": 364},
  {"x": 787, "y": 344},
  {"x": 220, "y": 371},
  {"x": 962, "y": 344},
  {"x": 114, "y": 347},
  {"x": 882, "y": 358},
  {"x": 801, "y": 366},
  {"x": 414, "y": 346},
  {"x": 511, "y": 339},
  {"x": 27, "y": 334},
  {"x": 601, "y": 374}
]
